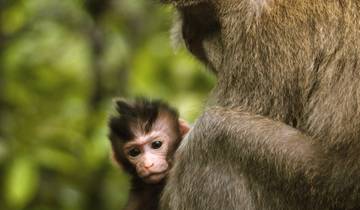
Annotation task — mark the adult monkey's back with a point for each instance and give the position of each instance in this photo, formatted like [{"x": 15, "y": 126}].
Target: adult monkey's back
[{"x": 284, "y": 132}]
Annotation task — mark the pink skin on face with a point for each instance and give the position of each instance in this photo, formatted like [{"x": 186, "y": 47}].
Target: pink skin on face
[{"x": 148, "y": 154}]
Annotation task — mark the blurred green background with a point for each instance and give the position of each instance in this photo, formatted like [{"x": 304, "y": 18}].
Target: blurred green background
[{"x": 61, "y": 63}]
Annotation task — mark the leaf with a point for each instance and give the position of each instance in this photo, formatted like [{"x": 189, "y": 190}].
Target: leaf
[
  {"x": 21, "y": 182},
  {"x": 55, "y": 159}
]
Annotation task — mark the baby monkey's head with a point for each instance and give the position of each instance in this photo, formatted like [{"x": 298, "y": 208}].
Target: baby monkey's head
[{"x": 144, "y": 135}]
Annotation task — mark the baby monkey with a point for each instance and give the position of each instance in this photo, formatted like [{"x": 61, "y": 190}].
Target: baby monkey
[{"x": 144, "y": 136}]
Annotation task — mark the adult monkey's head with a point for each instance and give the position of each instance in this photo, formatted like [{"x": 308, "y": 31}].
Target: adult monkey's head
[
  {"x": 243, "y": 42},
  {"x": 201, "y": 30}
]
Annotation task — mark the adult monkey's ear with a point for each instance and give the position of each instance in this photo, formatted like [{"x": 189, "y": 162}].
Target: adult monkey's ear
[
  {"x": 184, "y": 3},
  {"x": 184, "y": 127}
]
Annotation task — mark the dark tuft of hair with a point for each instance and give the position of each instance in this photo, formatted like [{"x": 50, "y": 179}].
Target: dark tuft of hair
[{"x": 141, "y": 112}]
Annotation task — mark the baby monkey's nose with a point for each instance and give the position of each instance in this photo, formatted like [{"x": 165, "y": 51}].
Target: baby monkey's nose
[{"x": 147, "y": 166}]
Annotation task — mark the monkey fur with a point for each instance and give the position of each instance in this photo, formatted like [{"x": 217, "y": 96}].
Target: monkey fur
[
  {"x": 282, "y": 131},
  {"x": 139, "y": 118}
]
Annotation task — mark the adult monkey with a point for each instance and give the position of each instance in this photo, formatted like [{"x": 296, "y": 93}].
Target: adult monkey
[{"x": 284, "y": 130}]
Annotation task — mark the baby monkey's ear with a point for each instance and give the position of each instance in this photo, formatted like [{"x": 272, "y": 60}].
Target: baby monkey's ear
[{"x": 184, "y": 127}]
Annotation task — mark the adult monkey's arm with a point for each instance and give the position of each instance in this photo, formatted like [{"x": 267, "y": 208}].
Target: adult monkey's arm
[{"x": 275, "y": 154}]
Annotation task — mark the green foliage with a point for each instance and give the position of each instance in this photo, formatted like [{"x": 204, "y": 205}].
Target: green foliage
[
  {"x": 61, "y": 64},
  {"x": 22, "y": 180}
]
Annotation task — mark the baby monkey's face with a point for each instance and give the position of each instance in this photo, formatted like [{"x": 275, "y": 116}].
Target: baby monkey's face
[
  {"x": 152, "y": 152},
  {"x": 149, "y": 154}
]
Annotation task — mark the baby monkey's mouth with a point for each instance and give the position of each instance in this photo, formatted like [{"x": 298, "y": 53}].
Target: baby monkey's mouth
[{"x": 154, "y": 178}]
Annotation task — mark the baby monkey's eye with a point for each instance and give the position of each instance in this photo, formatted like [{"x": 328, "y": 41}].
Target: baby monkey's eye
[
  {"x": 134, "y": 152},
  {"x": 156, "y": 144}
]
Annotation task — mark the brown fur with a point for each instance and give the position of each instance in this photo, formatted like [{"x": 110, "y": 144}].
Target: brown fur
[
  {"x": 135, "y": 119},
  {"x": 144, "y": 196},
  {"x": 284, "y": 129}
]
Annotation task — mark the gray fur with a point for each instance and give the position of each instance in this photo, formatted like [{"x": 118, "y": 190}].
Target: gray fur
[{"x": 283, "y": 132}]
